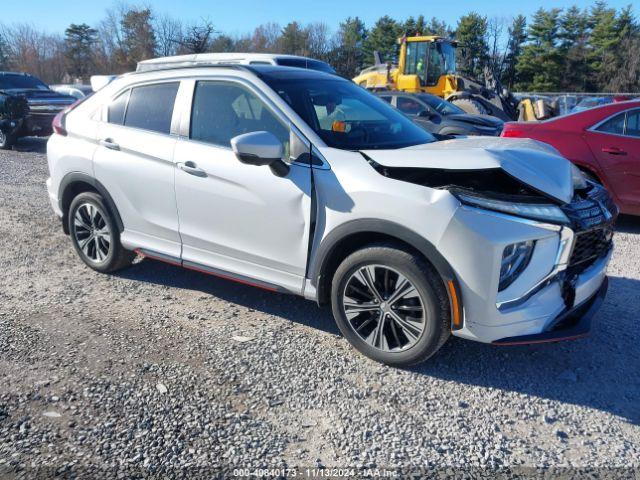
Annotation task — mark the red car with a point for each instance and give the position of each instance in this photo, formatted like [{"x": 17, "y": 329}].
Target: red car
[{"x": 604, "y": 142}]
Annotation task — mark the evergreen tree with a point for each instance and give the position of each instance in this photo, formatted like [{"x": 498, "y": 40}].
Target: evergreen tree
[
  {"x": 618, "y": 67},
  {"x": 409, "y": 27},
  {"x": 603, "y": 42},
  {"x": 294, "y": 39},
  {"x": 421, "y": 25},
  {"x": 517, "y": 37},
  {"x": 382, "y": 38},
  {"x": 348, "y": 54},
  {"x": 437, "y": 27},
  {"x": 539, "y": 67},
  {"x": 222, "y": 44},
  {"x": 79, "y": 41},
  {"x": 471, "y": 33},
  {"x": 138, "y": 37},
  {"x": 574, "y": 47}
]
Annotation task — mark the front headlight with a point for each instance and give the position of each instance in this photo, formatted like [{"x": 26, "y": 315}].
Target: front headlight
[
  {"x": 515, "y": 258},
  {"x": 537, "y": 211},
  {"x": 578, "y": 178}
]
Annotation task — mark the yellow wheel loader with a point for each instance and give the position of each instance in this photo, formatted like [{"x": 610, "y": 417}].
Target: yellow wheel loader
[{"x": 428, "y": 64}]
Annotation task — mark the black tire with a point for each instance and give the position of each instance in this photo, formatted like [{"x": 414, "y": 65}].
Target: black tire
[
  {"x": 432, "y": 297},
  {"x": 6, "y": 140},
  {"x": 470, "y": 106},
  {"x": 116, "y": 257}
]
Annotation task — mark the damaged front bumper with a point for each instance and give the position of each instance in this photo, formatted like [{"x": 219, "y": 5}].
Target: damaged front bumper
[
  {"x": 544, "y": 302},
  {"x": 573, "y": 324}
]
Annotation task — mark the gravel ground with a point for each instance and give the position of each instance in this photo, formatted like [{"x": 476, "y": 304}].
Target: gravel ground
[{"x": 163, "y": 370}]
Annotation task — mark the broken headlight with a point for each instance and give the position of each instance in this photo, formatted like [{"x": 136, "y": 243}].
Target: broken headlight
[{"x": 545, "y": 212}]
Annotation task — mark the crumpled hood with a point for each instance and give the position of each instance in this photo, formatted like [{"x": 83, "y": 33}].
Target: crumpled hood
[{"x": 535, "y": 163}]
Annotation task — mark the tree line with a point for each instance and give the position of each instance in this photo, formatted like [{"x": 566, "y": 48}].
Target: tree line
[{"x": 583, "y": 50}]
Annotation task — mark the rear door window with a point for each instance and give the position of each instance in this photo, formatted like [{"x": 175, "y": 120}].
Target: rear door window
[
  {"x": 614, "y": 125},
  {"x": 150, "y": 107}
]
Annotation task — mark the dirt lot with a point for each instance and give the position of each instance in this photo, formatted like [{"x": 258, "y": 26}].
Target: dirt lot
[{"x": 163, "y": 370}]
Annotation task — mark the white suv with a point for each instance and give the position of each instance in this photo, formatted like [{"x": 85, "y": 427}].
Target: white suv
[{"x": 298, "y": 181}]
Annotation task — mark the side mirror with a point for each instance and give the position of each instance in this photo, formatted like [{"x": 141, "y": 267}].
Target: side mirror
[{"x": 260, "y": 149}]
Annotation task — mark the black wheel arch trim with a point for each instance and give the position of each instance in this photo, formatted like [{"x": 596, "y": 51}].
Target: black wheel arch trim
[
  {"x": 79, "y": 177},
  {"x": 427, "y": 249}
]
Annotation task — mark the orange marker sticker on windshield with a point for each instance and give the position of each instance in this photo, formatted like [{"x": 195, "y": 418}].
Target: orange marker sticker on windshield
[{"x": 339, "y": 126}]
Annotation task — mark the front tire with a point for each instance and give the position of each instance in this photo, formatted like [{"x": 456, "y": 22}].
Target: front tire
[
  {"x": 391, "y": 305},
  {"x": 95, "y": 235},
  {"x": 6, "y": 140}
]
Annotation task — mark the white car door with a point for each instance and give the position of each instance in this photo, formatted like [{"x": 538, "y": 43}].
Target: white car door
[
  {"x": 236, "y": 219},
  {"x": 134, "y": 162}
]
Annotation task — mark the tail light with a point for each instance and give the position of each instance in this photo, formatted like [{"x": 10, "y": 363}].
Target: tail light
[
  {"x": 513, "y": 129},
  {"x": 58, "y": 123},
  {"x": 512, "y": 133}
]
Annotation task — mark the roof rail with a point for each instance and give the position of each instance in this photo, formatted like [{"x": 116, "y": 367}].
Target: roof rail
[{"x": 180, "y": 66}]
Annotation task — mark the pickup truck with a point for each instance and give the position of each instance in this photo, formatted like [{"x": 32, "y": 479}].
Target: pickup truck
[{"x": 27, "y": 107}]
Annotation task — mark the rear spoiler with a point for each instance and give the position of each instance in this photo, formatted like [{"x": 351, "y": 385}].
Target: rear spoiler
[{"x": 99, "y": 81}]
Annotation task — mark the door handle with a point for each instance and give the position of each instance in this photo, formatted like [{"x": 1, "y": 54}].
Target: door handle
[
  {"x": 110, "y": 144},
  {"x": 192, "y": 169},
  {"x": 613, "y": 151}
]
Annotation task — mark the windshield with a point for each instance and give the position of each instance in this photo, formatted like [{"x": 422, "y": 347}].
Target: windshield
[
  {"x": 347, "y": 116},
  {"x": 440, "y": 106},
  {"x": 13, "y": 81},
  {"x": 305, "y": 63}
]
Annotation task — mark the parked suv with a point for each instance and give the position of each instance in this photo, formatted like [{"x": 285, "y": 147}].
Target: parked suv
[{"x": 298, "y": 181}]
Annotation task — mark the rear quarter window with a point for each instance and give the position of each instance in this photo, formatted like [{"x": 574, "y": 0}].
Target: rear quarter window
[
  {"x": 614, "y": 125},
  {"x": 117, "y": 108}
]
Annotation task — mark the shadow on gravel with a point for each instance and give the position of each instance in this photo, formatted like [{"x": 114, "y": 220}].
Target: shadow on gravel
[
  {"x": 599, "y": 372},
  {"x": 31, "y": 144},
  {"x": 628, "y": 224},
  {"x": 290, "y": 307}
]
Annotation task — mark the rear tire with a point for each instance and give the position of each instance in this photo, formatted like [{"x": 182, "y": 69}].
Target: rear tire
[
  {"x": 470, "y": 106},
  {"x": 405, "y": 320},
  {"x": 95, "y": 235}
]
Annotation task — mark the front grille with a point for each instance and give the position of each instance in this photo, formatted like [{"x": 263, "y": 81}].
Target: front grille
[
  {"x": 592, "y": 214},
  {"x": 590, "y": 245}
]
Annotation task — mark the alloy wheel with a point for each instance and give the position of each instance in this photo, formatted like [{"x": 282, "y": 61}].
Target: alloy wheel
[
  {"x": 384, "y": 308},
  {"x": 91, "y": 232}
]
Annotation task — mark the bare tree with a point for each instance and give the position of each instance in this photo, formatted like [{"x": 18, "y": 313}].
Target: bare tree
[
  {"x": 197, "y": 38},
  {"x": 33, "y": 51},
  {"x": 318, "y": 40},
  {"x": 266, "y": 38},
  {"x": 497, "y": 50},
  {"x": 169, "y": 34}
]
